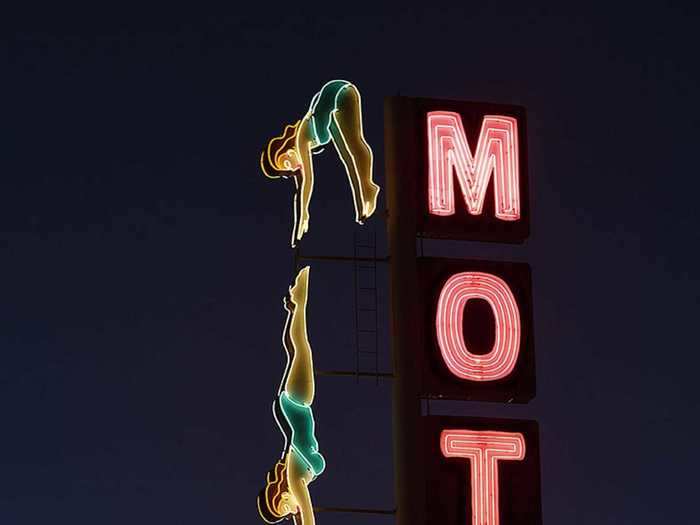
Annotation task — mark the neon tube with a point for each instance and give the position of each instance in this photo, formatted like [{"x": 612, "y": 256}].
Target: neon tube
[
  {"x": 483, "y": 449},
  {"x": 454, "y": 296},
  {"x": 497, "y": 152}
]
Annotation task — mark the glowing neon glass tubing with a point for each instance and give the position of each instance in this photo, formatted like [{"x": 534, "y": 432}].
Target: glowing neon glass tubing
[
  {"x": 454, "y": 296},
  {"x": 496, "y": 152},
  {"x": 483, "y": 449}
]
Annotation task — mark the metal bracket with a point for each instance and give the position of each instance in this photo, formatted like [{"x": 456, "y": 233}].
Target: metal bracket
[
  {"x": 355, "y": 510},
  {"x": 352, "y": 373}
]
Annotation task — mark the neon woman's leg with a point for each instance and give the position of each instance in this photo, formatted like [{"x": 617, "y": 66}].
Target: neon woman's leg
[
  {"x": 346, "y": 128},
  {"x": 299, "y": 383}
]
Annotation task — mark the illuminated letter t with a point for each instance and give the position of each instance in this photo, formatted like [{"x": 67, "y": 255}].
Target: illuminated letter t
[{"x": 483, "y": 449}]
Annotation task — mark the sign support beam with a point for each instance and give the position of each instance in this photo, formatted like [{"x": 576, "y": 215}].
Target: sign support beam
[{"x": 405, "y": 315}]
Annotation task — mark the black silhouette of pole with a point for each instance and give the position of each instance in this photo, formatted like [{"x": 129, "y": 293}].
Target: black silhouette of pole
[{"x": 405, "y": 313}]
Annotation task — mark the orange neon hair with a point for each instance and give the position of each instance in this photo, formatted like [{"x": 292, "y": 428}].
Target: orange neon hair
[
  {"x": 270, "y": 158},
  {"x": 271, "y": 504}
]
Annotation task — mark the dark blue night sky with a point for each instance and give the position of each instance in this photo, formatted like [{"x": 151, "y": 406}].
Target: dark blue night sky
[{"x": 143, "y": 256}]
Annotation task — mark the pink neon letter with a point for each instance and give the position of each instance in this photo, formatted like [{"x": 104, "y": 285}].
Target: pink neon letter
[
  {"x": 496, "y": 151},
  {"x": 458, "y": 290},
  {"x": 483, "y": 449}
]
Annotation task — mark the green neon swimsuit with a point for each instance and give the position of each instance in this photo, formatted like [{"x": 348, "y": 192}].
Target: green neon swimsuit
[
  {"x": 324, "y": 103},
  {"x": 303, "y": 441}
]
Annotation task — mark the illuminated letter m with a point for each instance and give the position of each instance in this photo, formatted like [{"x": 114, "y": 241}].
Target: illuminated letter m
[{"x": 496, "y": 153}]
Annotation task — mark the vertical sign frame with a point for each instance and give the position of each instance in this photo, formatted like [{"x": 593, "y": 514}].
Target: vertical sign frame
[{"x": 405, "y": 312}]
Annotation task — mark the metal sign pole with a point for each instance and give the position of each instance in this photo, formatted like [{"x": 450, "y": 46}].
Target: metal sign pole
[{"x": 405, "y": 317}]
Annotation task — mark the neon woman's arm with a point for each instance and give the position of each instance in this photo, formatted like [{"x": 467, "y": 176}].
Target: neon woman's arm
[
  {"x": 305, "y": 186},
  {"x": 299, "y": 478}
]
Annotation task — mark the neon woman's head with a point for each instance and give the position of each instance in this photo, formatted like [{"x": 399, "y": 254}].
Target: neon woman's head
[
  {"x": 275, "y": 501},
  {"x": 280, "y": 159}
]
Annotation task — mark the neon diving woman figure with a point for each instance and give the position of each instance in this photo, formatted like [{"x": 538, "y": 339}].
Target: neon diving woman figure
[
  {"x": 335, "y": 115},
  {"x": 286, "y": 492}
]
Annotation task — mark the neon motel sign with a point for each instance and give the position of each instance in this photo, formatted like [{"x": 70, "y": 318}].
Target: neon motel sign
[
  {"x": 476, "y": 341},
  {"x": 456, "y": 170}
]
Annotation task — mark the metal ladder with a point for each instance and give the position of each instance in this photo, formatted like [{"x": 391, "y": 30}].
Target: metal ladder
[{"x": 366, "y": 305}]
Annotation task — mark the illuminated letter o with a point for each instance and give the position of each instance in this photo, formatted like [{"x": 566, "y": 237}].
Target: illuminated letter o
[{"x": 500, "y": 361}]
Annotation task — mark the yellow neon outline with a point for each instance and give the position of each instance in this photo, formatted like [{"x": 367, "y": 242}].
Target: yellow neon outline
[
  {"x": 268, "y": 150},
  {"x": 368, "y": 208},
  {"x": 301, "y": 224},
  {"x": 286, "y": 486},
  {"x": 301, "y": 166}
]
